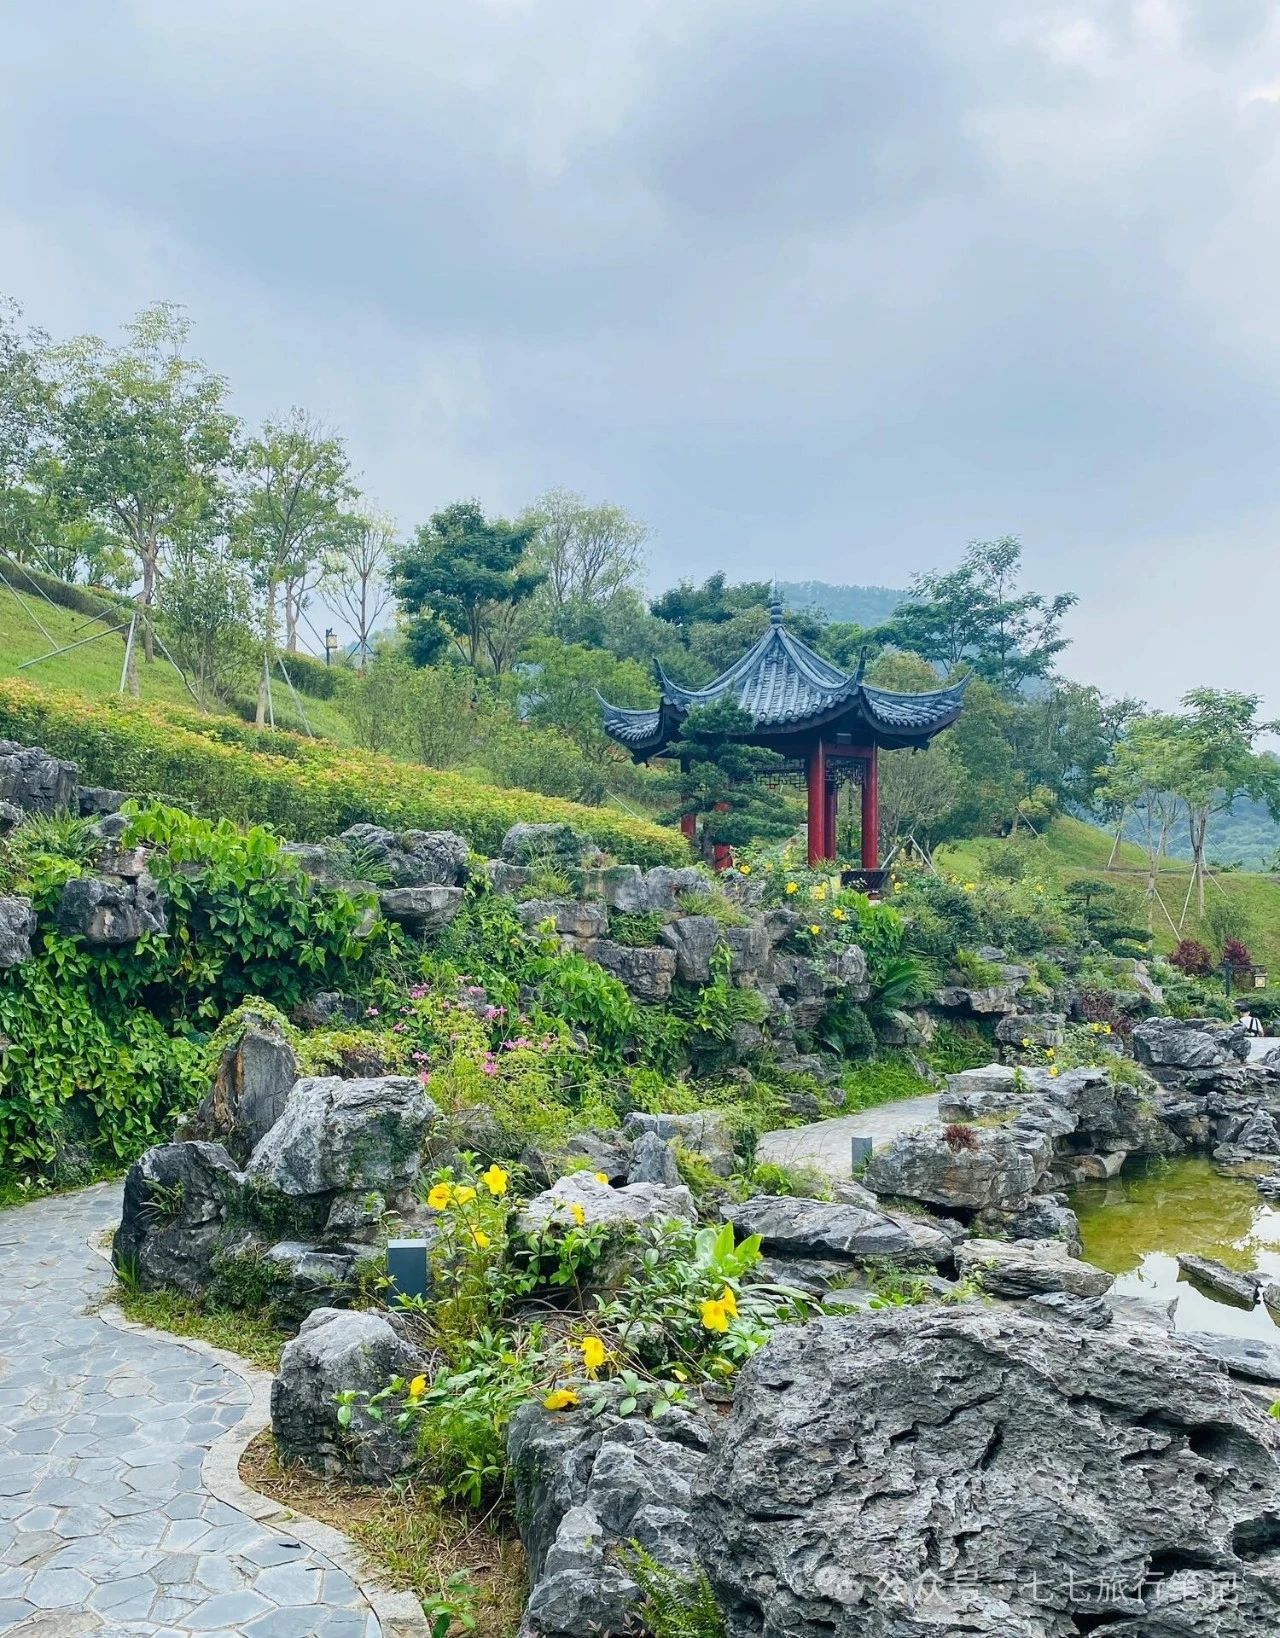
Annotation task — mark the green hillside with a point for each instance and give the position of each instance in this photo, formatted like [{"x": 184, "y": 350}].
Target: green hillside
[{"x": 1074, "y": 851}]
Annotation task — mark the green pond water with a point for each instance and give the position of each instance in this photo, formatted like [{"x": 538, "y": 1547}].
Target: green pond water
[{"x": 1134, "y": 1226}]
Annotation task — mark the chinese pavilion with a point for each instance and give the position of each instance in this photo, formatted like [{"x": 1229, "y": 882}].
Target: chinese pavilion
[{"x": 828, "y": 723}]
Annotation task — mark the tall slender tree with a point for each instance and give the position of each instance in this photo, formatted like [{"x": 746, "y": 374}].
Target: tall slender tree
[{"x": 356, "y": 575}]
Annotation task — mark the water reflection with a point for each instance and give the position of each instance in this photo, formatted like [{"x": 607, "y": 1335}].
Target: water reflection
[{"x": 1135, "y": 1224}]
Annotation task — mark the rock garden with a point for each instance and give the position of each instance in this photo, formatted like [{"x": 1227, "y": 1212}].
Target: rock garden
[{"x": 468, "y": 1147}]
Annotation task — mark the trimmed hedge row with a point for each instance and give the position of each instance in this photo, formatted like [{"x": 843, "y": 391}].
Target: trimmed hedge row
[
  {"x": 306, "y": 789},
  {"x": 90, "y": 600}
]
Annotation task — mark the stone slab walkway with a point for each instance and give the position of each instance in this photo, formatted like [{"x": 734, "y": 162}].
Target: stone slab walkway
[
  {"x": 106, "y": 1524},
  {"x": 827, "y": 1145}
]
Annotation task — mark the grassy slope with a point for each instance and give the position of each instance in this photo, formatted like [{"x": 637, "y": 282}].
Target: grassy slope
[
  {"x": 1079, "y": 851},
  {"x": 94, "y": 668}
]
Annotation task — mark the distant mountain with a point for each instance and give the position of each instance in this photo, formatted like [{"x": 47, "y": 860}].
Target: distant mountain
[{"x": 861, "y": 605}]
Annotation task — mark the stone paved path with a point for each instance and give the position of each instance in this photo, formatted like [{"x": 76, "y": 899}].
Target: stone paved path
[
  {"x": 105, "y": 1527},
  {"x": 827, "y": 1146}
]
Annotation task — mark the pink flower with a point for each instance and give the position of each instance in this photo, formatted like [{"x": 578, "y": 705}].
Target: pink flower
[
  {"x": 490, "y": 1067},
  {"x": 398, "y": 1029},
  {"x": 424, "y": 1078},
  {"x": 420, "y": 1057},
  {"x": 371, "y": 1012}
]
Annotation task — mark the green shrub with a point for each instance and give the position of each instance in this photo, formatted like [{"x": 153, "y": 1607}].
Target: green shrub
[
  {"x": 885, "y": 1080},
  {"x": 636, "y": 928},
  {"x": 959, "y": 1046}
]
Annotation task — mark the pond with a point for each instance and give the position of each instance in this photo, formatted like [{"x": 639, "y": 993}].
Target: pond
[{"x": 1135, "y": 1224}]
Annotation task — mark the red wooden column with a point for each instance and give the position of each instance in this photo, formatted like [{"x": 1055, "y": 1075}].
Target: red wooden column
[
  {"x": 831, "y": 832},
  {"x": 871, "y": 811},
  {"x": 689, "y": 826},
  {"x": 817, "y": 783}
]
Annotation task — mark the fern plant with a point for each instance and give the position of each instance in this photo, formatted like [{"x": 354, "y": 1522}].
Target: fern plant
[{"x": 674, "y": 1606}]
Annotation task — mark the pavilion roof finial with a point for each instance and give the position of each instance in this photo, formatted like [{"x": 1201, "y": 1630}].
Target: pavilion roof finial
[{"x": 775, "y": 606}]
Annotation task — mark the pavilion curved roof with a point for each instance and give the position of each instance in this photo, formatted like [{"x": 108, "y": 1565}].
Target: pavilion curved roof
[{"x": 787, "y": 688}]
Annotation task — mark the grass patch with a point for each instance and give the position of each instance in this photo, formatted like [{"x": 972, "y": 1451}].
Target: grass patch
[
  {"x": 884, "y": 1080},
  {"x": 248, "y": 1335},
  {"x": 408, "y": 1538}
]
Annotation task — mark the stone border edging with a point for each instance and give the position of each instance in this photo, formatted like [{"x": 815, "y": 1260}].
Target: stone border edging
[{"x": 399, "y": 1613}]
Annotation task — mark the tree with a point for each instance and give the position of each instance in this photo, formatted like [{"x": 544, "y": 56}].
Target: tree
[
  {"x": 975, "y": 613},
  {"x": 566, "y": 686},
  {"x": 917, "y": 788},
  {"x": 1212, "y": 762},
  {"x": 206, "y": 610},
  {"x": 586, "y": 553},
  {"x": 25, "y": 415},
  {"x": 462, "y": 579},
  {"x": 1137, "y": 784},
  {"x": 296, "y": 479},
  {"x": 722, "y": 781},
  {"x": 356, "y": 575},
  {"x": 145, "y": 440},
  {"x": 1067, "y": 736}
]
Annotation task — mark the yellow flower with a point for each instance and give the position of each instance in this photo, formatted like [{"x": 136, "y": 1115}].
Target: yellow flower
[
  {"x": 601, "y": 1177},
  {"x": 481, "y": 1239},
  {"x": 729, "y": 1302},
  {"x": 971, "y": 887},
  {"x": 593, "y": 1353},
  {"x": 441, "y": 1195},
  {"x": 417, "y": 1387},
  {"x": 792, "y": 888},
  {"x": 1054, "y": 1070},
  {"x": 815, "y": 929},
  {"x": 495, "y": 1180},
  {"x": 744, "y": 870},
  {"x": 819, "y": 893},
  {"x": 1026, "y": 1040},
  {"x": 579, "y": 1216},
  {"x": 715, "y": 1316},
  {"x": 838, "y": 914},
  {"x": 1106, "y": 1029},
  {"x": 561, "y": 1399},
  {"x": 1049, "y": 1052},
  {"x": 465, "y": 1196}
]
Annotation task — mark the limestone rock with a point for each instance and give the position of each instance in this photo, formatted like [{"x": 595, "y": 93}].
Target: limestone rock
[
  {"x": 1006, "y": 1465},
  {"x": 414, "y": 858},
  {"x": 646, "y": 973},
  {"x": 572, "y": 918},
  {"x": 987, "y": 1001},
  {"x": 176, "y": 1198},
  {"x": 421, "y": 909},
  {"x": 706, "y": 1133},
  {"x": 792, "y": 1226},
  {"x": 1023, "y": 1268},
  {"x": 652, "y": 1161},
  {"x": 96, "y": 801},
  {"x": 1044, "y": 1217},
  {"x": 1255, "y": 1359},
  {"x": 1220, "y": 1281},
  {"x": 255, "y": 1075},
  {"x": 694, "y": 940},
  {"x": 326, "y": 865},
  {"x": 587, "y": 1487},
  {"x": 627, "y": 1207},
  {"x": 1091, "y": 1312},
  {"x": 308, "y": 1277},
  {"x": 1041, "y": 1029},
  {"x": 11, "y": 817},
  {"x": 104, "y": 911},
  {"x": 1187, "y": 1051},
  {"x": 334, "y": 1352},
  {"x": 526, "y": 844},
  {"x": 34, "y": 781},
  {"x": 17, "y": 925},
  {"x": 337, "y": 1135},
  {"x": 655, "y": 891},
  {"x": 1000, "y": 1168},
  {"x": 591, "y": 1151}
]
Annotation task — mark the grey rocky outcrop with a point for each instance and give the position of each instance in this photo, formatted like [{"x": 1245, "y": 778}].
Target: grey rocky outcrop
[
  {"x": 413, "y": 858},
  {"x": 587, "y": 1488},
  {"x": 1227, "y": 1283},
  {"x": 34, "y": 781},
  {"x": 653, "y": 1161},
  {"x": 694, "y": 940},
  {"x": 1189, "y": 1051},
  {"x": 176, "y": 1200},
  {"x": 422, "y": 910},
  {"x": 96, "y": 801},
  {"x": 11, "y": 816},
  {"x": 631, "y": 1206},
  {"x": 106, "y": 911},
  {"x": 983, "y": 1001},
  {"x": 255, "y": 1076},
  {"x": 706, "y": 1133},
  {"x": 978, "y": 1470},
  {"x": 17, "y": 926},
  {"x": 529, "y": 844},
  {"x": 1037, "y": 1029},
  {"x": 647, "y": 973},
  {"x": 991, "y": 1167},
  {"x": 1025, "y": 1268},
  {"x": 1253, "y": 1359},
  {"x": 336, "y": 1352},
  {"x": 345, "y": 1136},
  {"x": 790, "y": 1226},
  {"x": 575, "y": 920},
  {"x": 305, "y": 1278}
]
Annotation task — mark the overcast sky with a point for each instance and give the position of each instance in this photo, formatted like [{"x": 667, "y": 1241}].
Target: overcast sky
[{"x": 826, "y": 287}]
